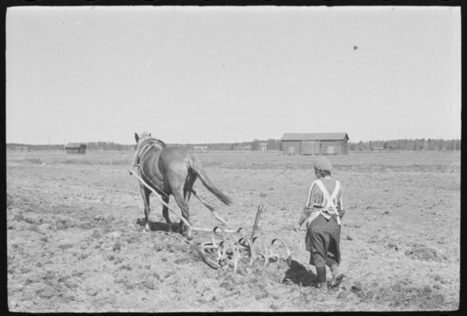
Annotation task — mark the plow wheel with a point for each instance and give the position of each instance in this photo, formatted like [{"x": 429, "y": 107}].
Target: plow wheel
[
  {"x": 231, "y": 250},
  {"x": 279, "y": 248},
  {"x": 209, "y": 255},
  {"x": 247, "y": 244}
]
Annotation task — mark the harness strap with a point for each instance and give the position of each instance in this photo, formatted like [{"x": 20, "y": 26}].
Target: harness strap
[{"x": 141, "y": 151}]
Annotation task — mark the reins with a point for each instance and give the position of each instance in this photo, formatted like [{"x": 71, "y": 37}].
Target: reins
[
  {"x": 152, "y": 183},
  {"x": 217, "y": 216}
]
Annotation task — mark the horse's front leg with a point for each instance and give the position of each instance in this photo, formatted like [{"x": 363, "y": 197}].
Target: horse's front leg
[{"x": 145, "y": 194}]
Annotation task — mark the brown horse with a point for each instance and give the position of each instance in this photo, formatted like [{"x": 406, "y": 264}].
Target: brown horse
[{"x": 170, "y": 170}]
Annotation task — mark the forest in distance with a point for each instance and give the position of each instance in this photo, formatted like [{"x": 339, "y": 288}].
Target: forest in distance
[{"x": 271, "y": 144}]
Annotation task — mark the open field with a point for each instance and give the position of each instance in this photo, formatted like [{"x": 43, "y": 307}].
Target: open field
[{"x": 75, "y": 243}]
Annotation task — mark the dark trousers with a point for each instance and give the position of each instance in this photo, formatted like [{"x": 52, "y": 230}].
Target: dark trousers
[{"x": 322, "y": 241}]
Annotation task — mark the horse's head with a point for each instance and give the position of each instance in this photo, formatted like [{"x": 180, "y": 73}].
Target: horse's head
[
  {"x": 145, "y": 139},
  {"x": 141, "y": 136}
]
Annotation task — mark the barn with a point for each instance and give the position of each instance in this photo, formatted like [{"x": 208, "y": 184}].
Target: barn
[
  {"x": 23, "y": 148},
  {"x": 200, "y": 148},
  {"x": 75, "y": 148},
  {"x": 315, "y": 143},
  {"x": 262, "y": 146}
]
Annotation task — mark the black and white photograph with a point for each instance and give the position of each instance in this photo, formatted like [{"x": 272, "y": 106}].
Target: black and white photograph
[{"x": 177, "y": 158}]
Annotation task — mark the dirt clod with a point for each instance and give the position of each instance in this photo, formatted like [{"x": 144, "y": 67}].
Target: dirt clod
[
  {"x": 91, "y": 292},
  {"x": 424, "y": 253},
  {"x": 116, "y": 247}
]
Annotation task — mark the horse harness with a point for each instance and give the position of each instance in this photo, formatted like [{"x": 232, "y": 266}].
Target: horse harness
[{"x": 146, "y": 142}]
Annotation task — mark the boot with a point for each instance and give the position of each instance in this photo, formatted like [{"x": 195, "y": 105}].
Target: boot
[
  {"x": 323, "y": 287},
  {"x": 336, "y": 275},
  {"x": 336, "y": 279}
]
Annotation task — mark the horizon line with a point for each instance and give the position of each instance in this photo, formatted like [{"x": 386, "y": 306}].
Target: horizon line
[{"x": 237, "y": 142}]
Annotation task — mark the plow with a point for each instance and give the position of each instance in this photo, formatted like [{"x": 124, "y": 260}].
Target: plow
[
  {"x": 227, "y": 247},
  {"x": 224, "y": 250}
]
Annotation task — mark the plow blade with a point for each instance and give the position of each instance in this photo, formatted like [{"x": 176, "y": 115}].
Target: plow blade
[{"x": 209, "y": 261}]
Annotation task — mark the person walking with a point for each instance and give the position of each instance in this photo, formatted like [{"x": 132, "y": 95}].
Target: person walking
[{"x": 322, "y": 214}]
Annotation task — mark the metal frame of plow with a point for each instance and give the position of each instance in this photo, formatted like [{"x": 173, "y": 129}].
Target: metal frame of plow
[{"x": 229, "y": 251}]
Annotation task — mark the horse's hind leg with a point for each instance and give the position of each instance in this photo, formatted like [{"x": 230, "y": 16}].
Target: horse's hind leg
[
  {"x": 145, "y": 194},
  {"x": 187, "y": 195},
  {"x": 165, "y": 210},
  {"x": 180, "y": 199}
]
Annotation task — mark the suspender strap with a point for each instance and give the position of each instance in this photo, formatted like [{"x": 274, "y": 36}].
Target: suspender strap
[
  {"x": 329, "y": 200},
  {"x": 336, "y": 191},
  {"x": 308, "y": 201}
]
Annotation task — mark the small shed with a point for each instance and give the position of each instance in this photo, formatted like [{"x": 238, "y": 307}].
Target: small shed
[
  {"x": 315, "y": 143},
  {"x": 262, "y": 146},
  {"x": 200, "y": 148},
  {"x": 241, "y": 147},
  {"x": 23, "y": 148},
  {"x": 76, "y": 148}
]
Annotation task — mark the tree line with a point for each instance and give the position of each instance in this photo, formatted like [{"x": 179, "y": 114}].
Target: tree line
[
  {"x": 407, "y": 144},
  {"x": 269, "y": 144}
]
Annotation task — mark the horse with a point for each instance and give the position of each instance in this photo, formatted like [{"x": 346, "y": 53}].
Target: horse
[{"x": 170, "y": 171}]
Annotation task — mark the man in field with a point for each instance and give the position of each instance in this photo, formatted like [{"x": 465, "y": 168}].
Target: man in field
[{"x": 322, "y": 214}]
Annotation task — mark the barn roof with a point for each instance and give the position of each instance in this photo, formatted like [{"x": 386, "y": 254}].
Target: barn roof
[
  {"x": 75, "y": 145},
  {"x": 315, "y": 136}
]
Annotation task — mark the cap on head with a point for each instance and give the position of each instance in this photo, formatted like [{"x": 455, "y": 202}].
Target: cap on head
[{"x": 322, "y": 163}]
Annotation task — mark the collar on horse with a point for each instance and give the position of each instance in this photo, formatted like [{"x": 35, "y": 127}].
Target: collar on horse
[
  {"x": 145, "y": 142},
  {"x": 142, "y": 148}
]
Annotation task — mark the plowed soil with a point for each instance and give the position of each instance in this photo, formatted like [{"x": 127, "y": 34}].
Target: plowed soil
[{"x": 75, "y": 242}]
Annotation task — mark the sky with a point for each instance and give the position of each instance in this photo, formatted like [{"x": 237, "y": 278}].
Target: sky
[{"x": 231, "y": 74}]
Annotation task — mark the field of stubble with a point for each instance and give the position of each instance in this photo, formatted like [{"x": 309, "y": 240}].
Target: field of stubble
[{"x": 74, "y": 242}]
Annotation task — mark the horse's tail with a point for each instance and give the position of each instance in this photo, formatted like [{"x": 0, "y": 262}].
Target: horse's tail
[{"x": 196, "y": 166}]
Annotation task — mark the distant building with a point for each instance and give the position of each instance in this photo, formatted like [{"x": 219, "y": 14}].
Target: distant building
[
  {"x": 262, "y": 146},
  {"x": 200, "y": 148},
  {"x": 75, "y": 148},
  {"x": 241, "y": 147},
  {"x": 315, "y": 143},
  {"x": 23, "y": 148},
  {"x": 377, "y": 148}
]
